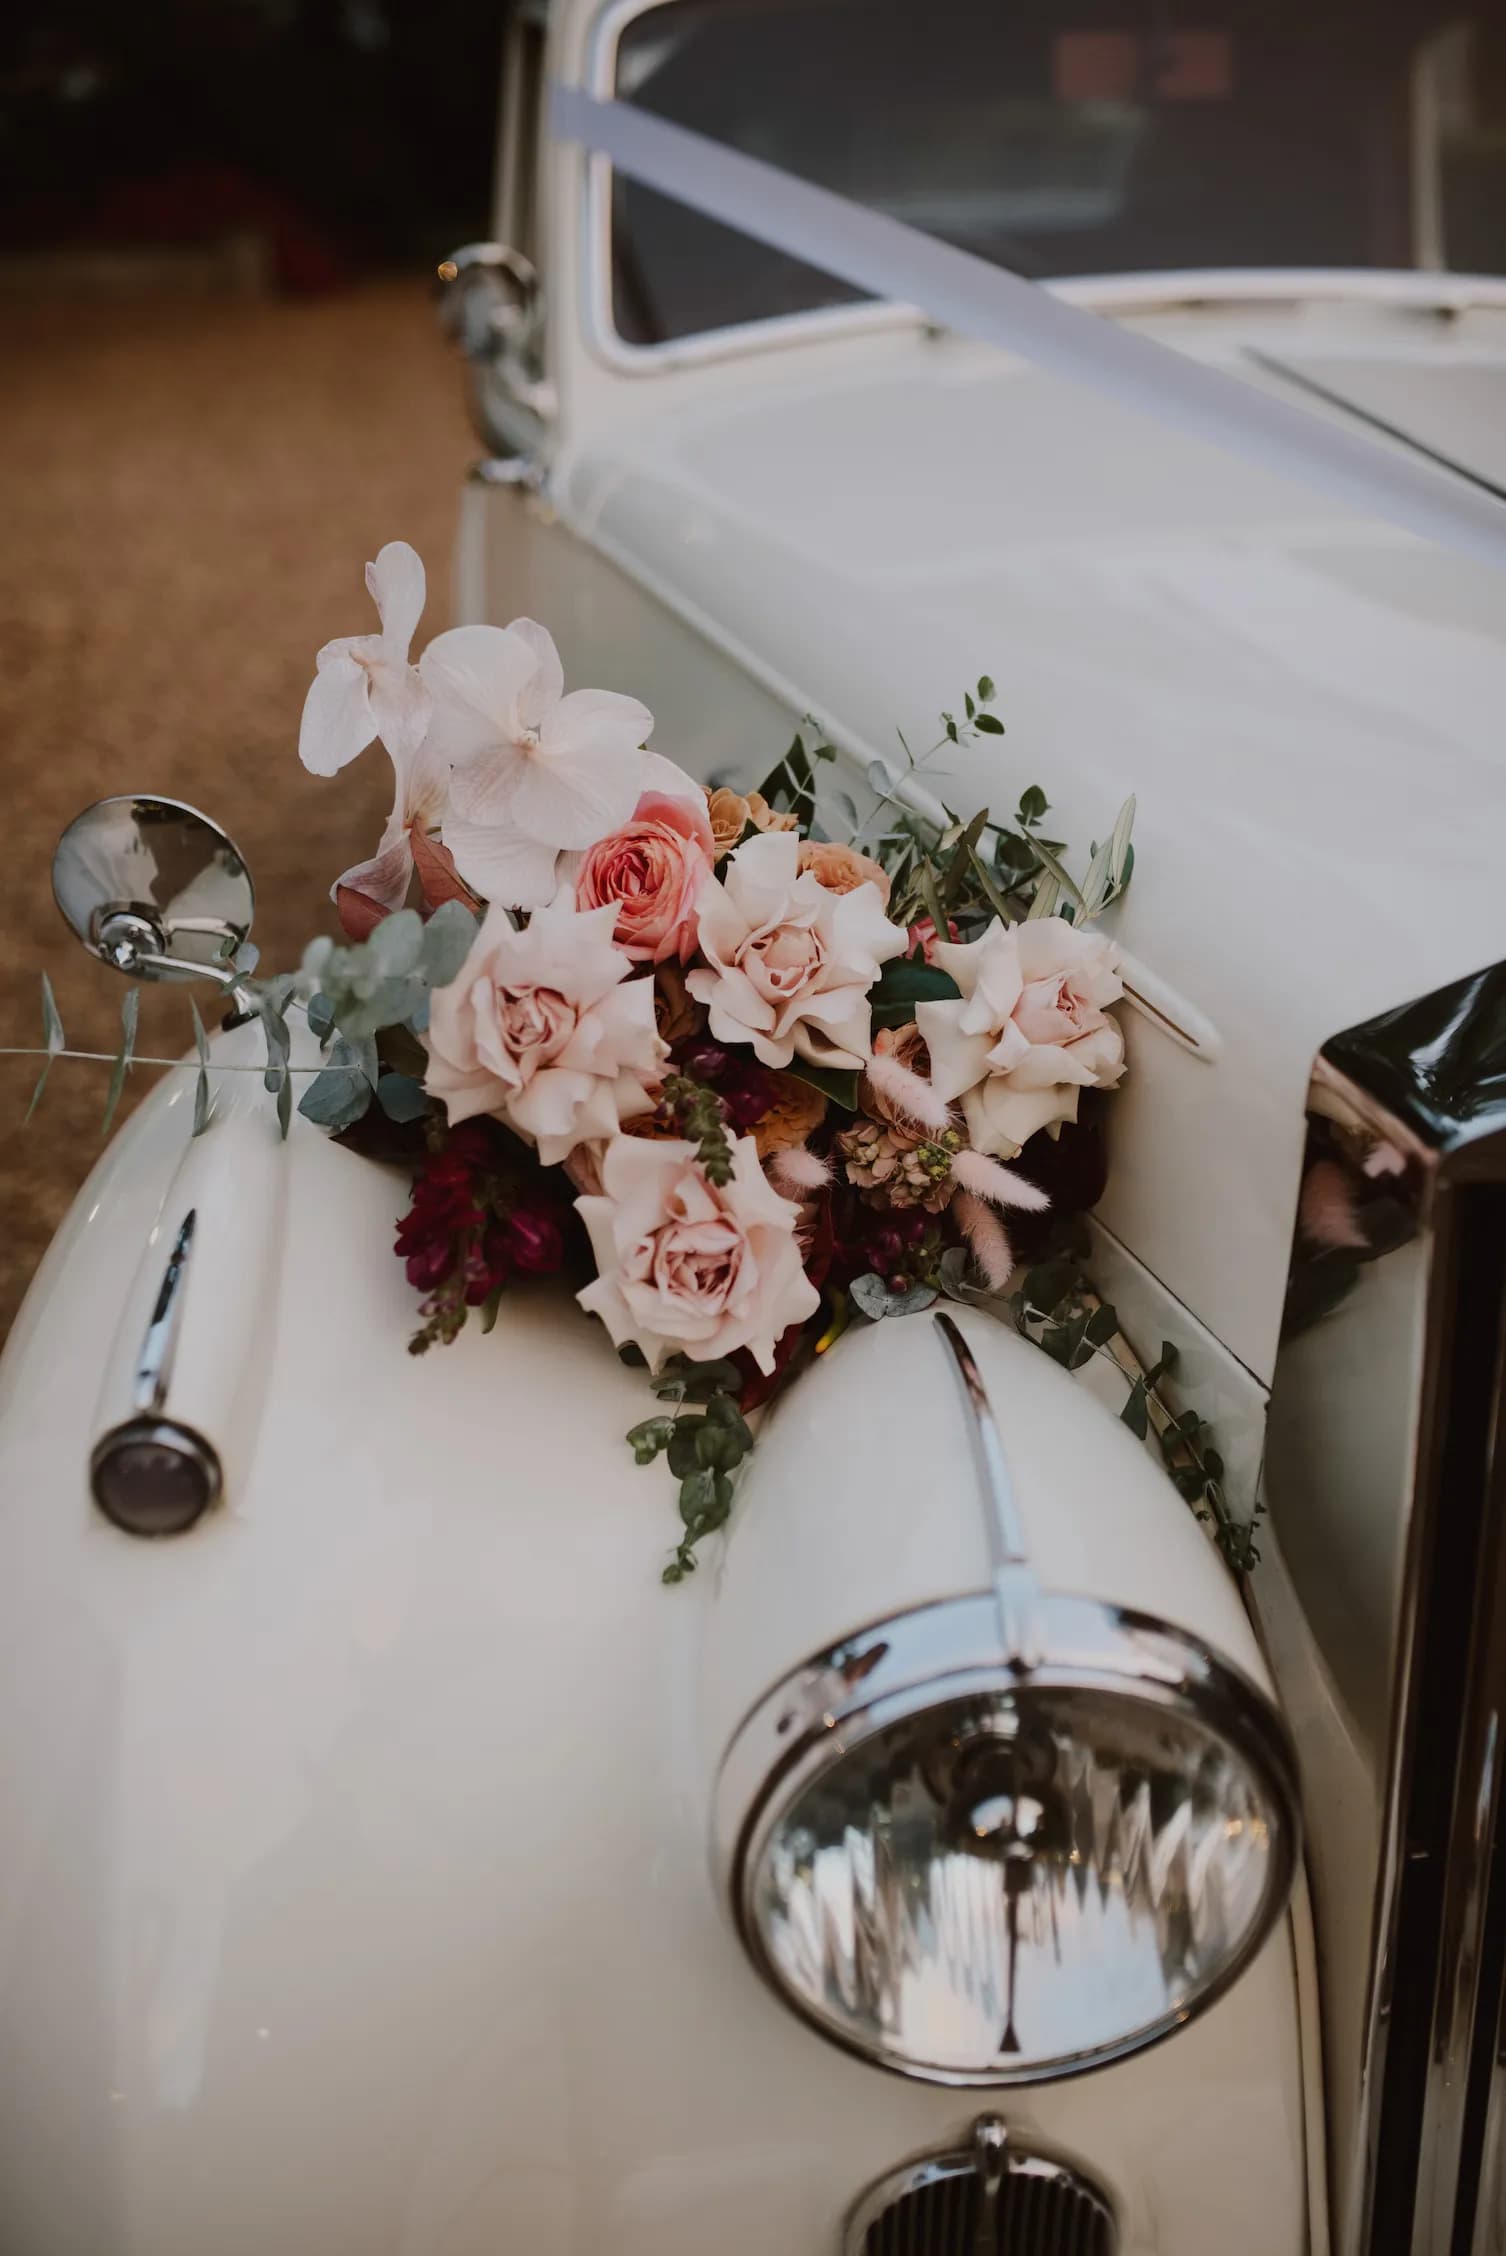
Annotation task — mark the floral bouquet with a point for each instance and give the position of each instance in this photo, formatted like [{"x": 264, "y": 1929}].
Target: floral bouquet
[{"x": 754, "y": 1065}]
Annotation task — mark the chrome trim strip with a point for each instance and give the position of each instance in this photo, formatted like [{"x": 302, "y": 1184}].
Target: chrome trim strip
[
  {"x": 896, "y": 1668},
  {"x": 1390, "y": 1417},
  {"x": 1015, "y": 1585},
  {"x": 159, "y": 1342}
]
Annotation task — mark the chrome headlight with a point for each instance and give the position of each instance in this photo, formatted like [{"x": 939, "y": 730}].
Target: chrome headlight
[{"x": 1007, "y": 1836}]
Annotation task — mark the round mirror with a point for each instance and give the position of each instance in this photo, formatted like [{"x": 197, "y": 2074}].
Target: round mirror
[{"x": 153, "y": 888}]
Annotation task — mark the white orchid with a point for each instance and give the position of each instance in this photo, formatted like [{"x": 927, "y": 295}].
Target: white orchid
[
  {"x": 365, "y": 688},
  {"x": 534, "y": 773}
]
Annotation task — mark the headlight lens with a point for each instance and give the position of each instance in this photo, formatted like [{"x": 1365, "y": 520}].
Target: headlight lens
[{"x": 986, "y": 1876}]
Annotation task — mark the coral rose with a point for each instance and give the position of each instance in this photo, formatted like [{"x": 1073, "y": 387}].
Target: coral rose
[
  {"x": 687, "y": 1267},
  {"x": 842, "y": 868},
  {"x": 788, "y": 965},
  {"x": 1030, "y": 1031},
  {"x": 545, "y": 1029},
  {"x": 653, "y": 869}
]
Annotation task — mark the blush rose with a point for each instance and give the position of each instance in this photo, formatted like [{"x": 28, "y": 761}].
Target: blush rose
[
  {"x": 689, "y": 1267},
  {"x": 544, "y": 1028},
  {"x": 1030, "y": 1031}
]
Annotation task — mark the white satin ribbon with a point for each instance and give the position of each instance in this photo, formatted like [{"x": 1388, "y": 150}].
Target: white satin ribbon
[{"x": 977, "y": 299}]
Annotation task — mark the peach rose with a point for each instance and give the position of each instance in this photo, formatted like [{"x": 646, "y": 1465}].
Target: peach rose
[
  {"x": 788, "y": 965},
  {"x": 728, "y": 812},
  {"x": 544, "y": 1028},
  {"x": 687, "y": 1267},
  {"x": 764, "y": 817},
  {"x": 653, "y": 869},
  {"x": 841, "y": 868},
  {"x": 924, "y": 936},
  {"x": 1029, "y": 1032}
]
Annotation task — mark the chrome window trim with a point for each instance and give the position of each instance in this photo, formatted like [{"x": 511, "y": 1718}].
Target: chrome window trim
[
  {"x": 599, "y": 330},
  {"x": 899, "y": 1667}
]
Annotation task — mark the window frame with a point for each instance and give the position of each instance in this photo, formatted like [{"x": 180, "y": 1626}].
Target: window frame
[{"x": 770, "y": 333}]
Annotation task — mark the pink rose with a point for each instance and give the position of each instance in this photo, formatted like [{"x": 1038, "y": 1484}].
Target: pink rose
[
  {"x": 686, "y": 1267},
  {"x": 924, "y": 935},
  {"x": 1029, "y": 1032},
  {"x": 653, "y": 869},
  {"x": 545, "y": 1029}
]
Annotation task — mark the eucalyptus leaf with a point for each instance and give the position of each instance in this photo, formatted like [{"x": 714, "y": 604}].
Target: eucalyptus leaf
[
  {"x": 320, "y": 1013},
  {"x": 650, "y": 1438},
  {"x": 202, "y": 1108},
  {"x": 1136, "y": 1414},
  {"x": 340, "y": 1095},
  {"x": 448, "y": 939},
  {"x": 396, "y": 945},
  {"x": 130, "y": 1011},
  {"x": 682, "y": 1449},
  {"x": 990, "y": 724},
  {"x": 56, "y": 1040},
  {"x": 401, "y": 1097},
  {"x": 881, "y": 777}
]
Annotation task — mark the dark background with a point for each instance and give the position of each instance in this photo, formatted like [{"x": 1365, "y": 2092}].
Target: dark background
[
  {"x": 355, "y": 133},
  {"x": 222, "y": 388}
]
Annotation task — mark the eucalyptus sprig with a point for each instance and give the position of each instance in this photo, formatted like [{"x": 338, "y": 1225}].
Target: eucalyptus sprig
[
  {"x": 1057, "y": 1308},
  {"x": 703, "y": 1452},
  {"x": 697, "y": 1112}
]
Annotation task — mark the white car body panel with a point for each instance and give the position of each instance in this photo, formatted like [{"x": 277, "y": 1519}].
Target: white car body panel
[{"x": 357, "y": 1894}]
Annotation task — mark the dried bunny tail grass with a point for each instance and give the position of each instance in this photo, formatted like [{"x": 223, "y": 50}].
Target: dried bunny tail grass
[
  {"x": 986, "y": 1179},
  {"x": 798, "y": 1171},
  {"x": 1326, "y": 1209},
  {"x": 907, "y": 1093},
  {"x": 987, "y": 1238}
]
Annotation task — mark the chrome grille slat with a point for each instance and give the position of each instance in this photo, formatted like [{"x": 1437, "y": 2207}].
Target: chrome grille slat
[{"x": 935, "y": 2208}]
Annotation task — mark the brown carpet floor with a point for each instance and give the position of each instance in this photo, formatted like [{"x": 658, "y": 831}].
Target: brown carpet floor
[{"x": 188, "y": 493}]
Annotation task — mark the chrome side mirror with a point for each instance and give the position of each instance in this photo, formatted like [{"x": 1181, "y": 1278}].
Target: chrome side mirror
[
  {"x": 154, "y": 889},
  {"x": 491, "y": 303}
]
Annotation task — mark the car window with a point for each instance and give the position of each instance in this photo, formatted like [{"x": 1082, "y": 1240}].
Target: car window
[{"x": 1063, "y": 137}]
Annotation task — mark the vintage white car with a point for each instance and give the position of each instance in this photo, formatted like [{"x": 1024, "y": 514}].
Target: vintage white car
[{"x": 963, "y": 1861}]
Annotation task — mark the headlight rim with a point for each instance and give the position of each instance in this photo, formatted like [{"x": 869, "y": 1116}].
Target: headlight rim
[{"x": 948, "y": 1649}]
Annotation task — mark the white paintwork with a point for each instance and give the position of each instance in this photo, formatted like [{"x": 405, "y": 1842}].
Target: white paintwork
[
  {"x": 1274, "y": 678},
  {"x": 867, "y": 1479},
  {"x": 356, "y": 1895}
]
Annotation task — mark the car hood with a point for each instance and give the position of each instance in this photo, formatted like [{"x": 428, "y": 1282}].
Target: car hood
[{"x": 1306, "y": 700}]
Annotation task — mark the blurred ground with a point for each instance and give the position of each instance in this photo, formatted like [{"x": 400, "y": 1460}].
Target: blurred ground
[{"x": 190, "y": 492}]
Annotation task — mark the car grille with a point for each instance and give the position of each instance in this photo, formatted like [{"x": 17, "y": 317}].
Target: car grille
[{"x": 989, "y": 2200}]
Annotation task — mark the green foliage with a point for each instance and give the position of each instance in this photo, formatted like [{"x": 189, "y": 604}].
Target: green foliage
[
  {"x": 337, "y": 1097},
  {"x": 54, "y": 1038},
  {"x": 697, "y": 1113},
  {"x": 1055, "y": 1306},
  {"x": 702, "y": 1452},
  {"x": 903, "y": 983},
  {"x": 835, "y": 1082},
  {"x": 202, "y": 1108},
  {"x": 130, "y": 1011},
  {"x": 364, "y": 986},
  {"x": 873, "y": 1298}
]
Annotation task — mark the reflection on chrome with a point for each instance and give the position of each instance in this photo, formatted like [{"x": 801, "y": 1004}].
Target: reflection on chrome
[{"x": 1017, "y": 1883}]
